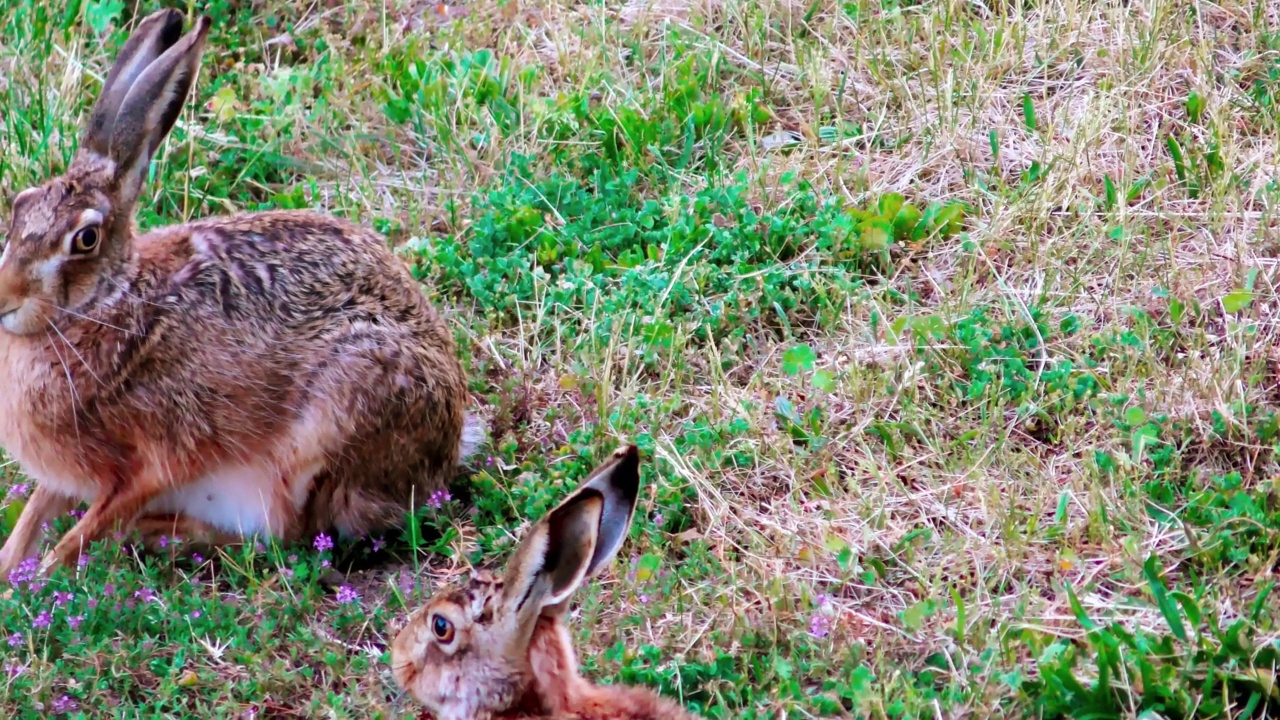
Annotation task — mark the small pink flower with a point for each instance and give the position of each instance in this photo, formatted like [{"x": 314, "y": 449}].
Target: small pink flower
[
  {"x": 43, "y": 620},
  {"x": 196, "y": 614},
  {"x": 74, "y": 621},
  {"x": 323, "y": 542},
  {"x": 347, "y": 595},
  {"x": 15, "y": 639},
  {"x": 439, "y": 498},
  {"x": 819, "y": 626}
]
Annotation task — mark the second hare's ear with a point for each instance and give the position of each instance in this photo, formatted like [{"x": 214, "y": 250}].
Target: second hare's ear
[
  {"x": 150, "y": 108},
  {"x": 575, "y": 539}
]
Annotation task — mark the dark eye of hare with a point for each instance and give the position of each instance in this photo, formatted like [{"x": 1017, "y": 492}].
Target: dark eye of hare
[
  {"x": 85, "y": 241},
  {"x": 442, "y": 628}
]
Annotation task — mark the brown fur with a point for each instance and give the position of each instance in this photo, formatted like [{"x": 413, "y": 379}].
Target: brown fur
[
  {"x": 511, "y": 656},
  {"x": 285, "y": 364}
]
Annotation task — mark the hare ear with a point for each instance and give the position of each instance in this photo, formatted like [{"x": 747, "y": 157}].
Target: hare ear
[
  {"x": 618, "y": 481},
  {"x": 155, "y": 34},
  {"x": 150, "y": 108},
  {"x": 575, "y": 539}
]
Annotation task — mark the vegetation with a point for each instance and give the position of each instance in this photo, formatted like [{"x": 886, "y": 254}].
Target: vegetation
[{"x": 946, "y": 330}]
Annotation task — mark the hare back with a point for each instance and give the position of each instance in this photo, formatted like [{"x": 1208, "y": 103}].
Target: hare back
[{"x": 236, "y": 355}]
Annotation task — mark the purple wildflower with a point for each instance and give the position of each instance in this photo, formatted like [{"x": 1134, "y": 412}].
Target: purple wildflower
[
  {"x": 323, "y": 542},
  {"x": 658, "y": 519},
  {"x": 145, "y": 594},
  {"x": 18, "y": 490},
  {"x": 15, "y": 639},
  {"x": 61, "y": 598},
  {"x": 76, "y": 513},
  {"x": 164, "y": 541},
  {"x": 65, "y": 704},
  {"x": 197, "y": 558},
  {"x": 819, "y": 626},
  {"x": 43, "y": 620},
  {"x": 287, "y": 572},
  {"x": 195, "y": 614},
  {"x": 378, "y": 544},
  {"x": 109, "y": 589},
  {"x": 644, "y": 599},
  {"x": 347, "y": 595},
  {"x": 439, "y": 498},
  {"x": 92, "y": 603},
  {"x": 324, "y": 563},
  {"x": 25, "y": 572},
  {"x": 74, "y": 621},
  {"x": 13, "y": 670},
  {"x": 82, "y": 562}
]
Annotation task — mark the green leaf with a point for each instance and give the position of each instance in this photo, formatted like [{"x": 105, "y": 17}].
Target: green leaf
[
  {"x": 949, "y": 219},
  {"x": 1189, "y": 607},
  {"x": 647, "y": 566},
  {"x": 823, "y": 380},
  {"x": 102, "y": 14},
  {"x": 1168, "y": 607},
  {"x": 798, "y": 358},
  {"x": 1083, "y": 617},
  {"x": 1195, "y": 106},
  {"x": 1028, "y": 112},
  {"x": 1236, "y": 301},
  {"x": 1113, "y": 196},
  {"x": 890, "y": 203},
  {"x": 1135, "y": 416},
  {"x": 905, "y": 222},
  {"x": 875, "y": 234}
]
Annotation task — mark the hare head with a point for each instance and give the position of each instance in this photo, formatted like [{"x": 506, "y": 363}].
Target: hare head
[
  {"x": 496, "y": 647},
  {"x": 68, "y": 241}
]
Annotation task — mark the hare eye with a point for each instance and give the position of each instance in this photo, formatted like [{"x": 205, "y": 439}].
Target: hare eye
[
  {"x": 85, "y": 241},
  {"x": 442, "y": 628}
]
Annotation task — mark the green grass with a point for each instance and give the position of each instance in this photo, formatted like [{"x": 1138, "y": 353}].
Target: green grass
[{"x": 947, "y": 335}]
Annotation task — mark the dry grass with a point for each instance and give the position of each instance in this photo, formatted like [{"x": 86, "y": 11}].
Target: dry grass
[{"x": 980, "y": 505}]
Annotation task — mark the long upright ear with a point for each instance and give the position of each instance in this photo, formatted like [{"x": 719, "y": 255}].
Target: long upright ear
[
  {"x": 155, "y": 34},
  {"x": 575, "y": 539},
  {"x": 150, "y": 108}
]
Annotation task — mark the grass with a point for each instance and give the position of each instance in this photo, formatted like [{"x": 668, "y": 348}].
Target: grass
[{"x": 946, "y": 330}]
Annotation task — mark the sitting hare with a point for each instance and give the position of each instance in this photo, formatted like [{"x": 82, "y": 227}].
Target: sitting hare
[
  {"x": 273, "y": 374},
  {"x": 497, "y": 648}
]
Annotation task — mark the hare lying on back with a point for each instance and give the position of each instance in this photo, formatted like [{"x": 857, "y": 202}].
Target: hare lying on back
[
  {"x": 271, "y": 374},
  {"x": 499, "y": 649}
]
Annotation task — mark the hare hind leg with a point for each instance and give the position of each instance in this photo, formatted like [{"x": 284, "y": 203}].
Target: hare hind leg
[
  {"x": 154, "y": 529},
  {"x": 399, "y": 409}
]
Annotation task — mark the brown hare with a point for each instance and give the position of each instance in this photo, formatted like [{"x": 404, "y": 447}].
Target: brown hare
[
  {"x": 498, "y": 648},
  {"x": 272, "y": 374}
]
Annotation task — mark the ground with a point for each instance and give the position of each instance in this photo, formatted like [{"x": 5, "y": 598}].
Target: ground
[{"x": 945, "y": 329}]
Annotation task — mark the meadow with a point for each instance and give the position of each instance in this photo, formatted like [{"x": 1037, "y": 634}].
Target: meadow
[{"x": 946, "y": 330}]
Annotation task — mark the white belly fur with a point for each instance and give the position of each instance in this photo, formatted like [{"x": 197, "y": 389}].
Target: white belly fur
[{"x": 237, "y": 499}]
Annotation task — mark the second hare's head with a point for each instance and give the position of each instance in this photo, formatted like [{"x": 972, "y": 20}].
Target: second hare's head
[
  {"x": 69, "y": 237},
  {"x": 466, "y": 653}
]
